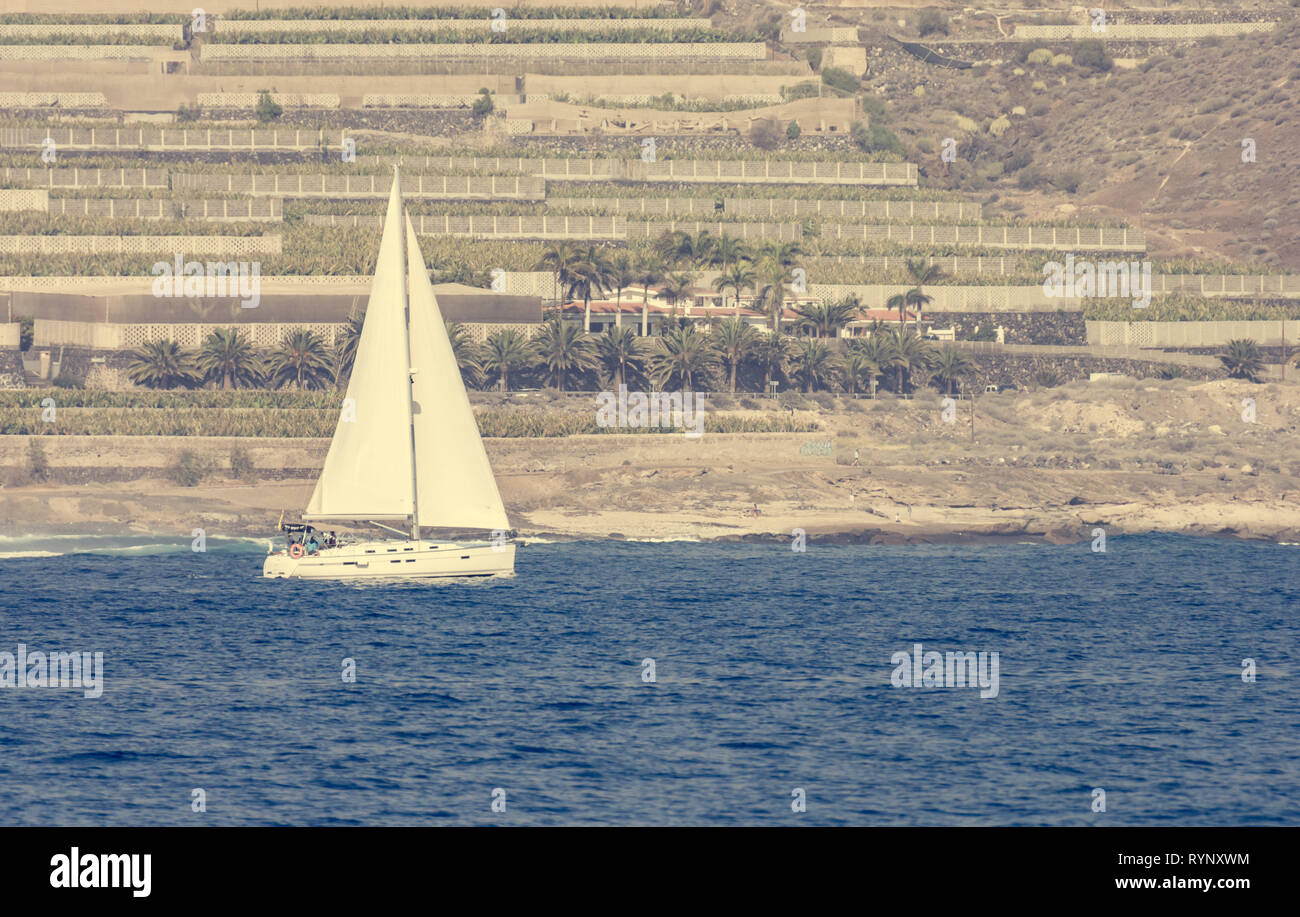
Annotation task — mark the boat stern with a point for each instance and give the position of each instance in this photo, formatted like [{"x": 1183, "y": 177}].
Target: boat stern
[{"x": 279, "y": 565}]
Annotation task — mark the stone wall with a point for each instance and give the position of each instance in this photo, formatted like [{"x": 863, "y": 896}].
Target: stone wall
[
  {"x": 952, "y": 298},
  {"x": 1026, "y": 370},
  {"x": 1058, "y": 328}
]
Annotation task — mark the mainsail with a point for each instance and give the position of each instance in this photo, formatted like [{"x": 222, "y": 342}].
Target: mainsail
[
  {"x": 455, "y": 481},
  {"x": 368, "y": 471}
]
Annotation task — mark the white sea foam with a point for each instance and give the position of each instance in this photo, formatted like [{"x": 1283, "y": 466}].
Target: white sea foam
[{"x": 14, "y": 547}]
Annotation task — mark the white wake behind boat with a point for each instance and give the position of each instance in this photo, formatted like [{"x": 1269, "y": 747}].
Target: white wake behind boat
[{"x": 407, "y": 447}]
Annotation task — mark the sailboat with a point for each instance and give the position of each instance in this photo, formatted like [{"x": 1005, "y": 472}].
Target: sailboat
[{"x": 406, "y": 447}]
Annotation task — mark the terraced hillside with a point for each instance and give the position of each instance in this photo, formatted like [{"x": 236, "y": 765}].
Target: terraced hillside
[{"x": 699, "y": 160}]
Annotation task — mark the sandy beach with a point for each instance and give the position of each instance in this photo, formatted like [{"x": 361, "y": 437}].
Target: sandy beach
[{"x": 1128, "y": 457}]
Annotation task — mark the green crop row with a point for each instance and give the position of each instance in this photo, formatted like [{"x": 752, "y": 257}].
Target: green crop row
[
  {"x": 665, "y": 11},
  {"x": 95, "y": 19},
  {"x": 236, "y": 399},
  {"x": 688, "y": 35},
  {"x": 1179, "y": 307},
  {"x": 304, "y": 423},
  {"x": 40, "y": 224}
]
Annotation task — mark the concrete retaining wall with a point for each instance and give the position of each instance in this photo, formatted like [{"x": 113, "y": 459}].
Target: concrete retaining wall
[
  {"x": 763, "y": 232},
  {"x": 731, "y": 171},
  {"x": 830, "y": 36},
  {"x": 1015, "y": 237},
  {"x": 1189, "y": 334},
  {"x": 462, "y": 26},
  {"x": 657, "y": 51},
  {"x": 1287, "y": 285},
  {"x": 83, "y": 52},
  {"x": 12, "y": 200},
  {"x": 153, "y": 138},
  {"x": 861, "y": 210},
  {"x": 448, "y": 187},
  {"x": 1141, "y": 32},
  {"x": 86, "y": 178},
  {"x": 164, "y": 209},
  {"x": 51, "y": 99},
  {"x": 145, "y": 32},
  {"x": 250, "y": 99},
  {"x": 230, "y": 246}
]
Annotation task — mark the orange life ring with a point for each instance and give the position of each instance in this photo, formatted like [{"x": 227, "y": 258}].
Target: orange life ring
[{"x": 296, "y": 551}]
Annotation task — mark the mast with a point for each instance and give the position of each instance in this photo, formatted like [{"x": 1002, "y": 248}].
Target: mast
[{"x": 410, "y": 373}]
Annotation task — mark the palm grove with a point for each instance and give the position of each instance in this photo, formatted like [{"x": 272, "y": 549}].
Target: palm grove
[{"x": 734, "y": 355}]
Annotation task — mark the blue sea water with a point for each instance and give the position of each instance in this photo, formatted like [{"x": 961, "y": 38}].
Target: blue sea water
[{"x": 1120, "y": 671}]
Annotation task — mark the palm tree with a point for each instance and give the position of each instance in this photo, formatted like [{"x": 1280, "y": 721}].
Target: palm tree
[
  {"x": 685, "y": 356},
  {"x": 563, "y": 348},
  {"x": 922, "y": 272},
  {"x": 826, "y": 320},
  {"x": 345, "y": 347},
  {"x": 466, "y": 351},
  {"x": 898, "y": 301},
  {"x": 649, "y": 272},
  {"x": 783, "y": 253},
  {"x": 558, "y": 258},
  {"x": 815, "y": 363},
  {"x": 668, "y": 245},
  {"x": 619, "y": 355},
  {"x": 772, "y": 354},
  {"x": 676, "y": 288},
  {"x": 858, "y": 367},
  {"x": 1243, "y": 359},
  {"x": 587, "y": 277},
  {"x": 915, "y": 299},
  {"x": 775, "y": 276},
  {"x": 912, "y": 355},
  {"x": 950, "y": 365},
  {"x": 734, "y": 340},
  {"x": 162, "y": 364},
  {"x": 300, "y": 361},
  {"x": 877, "y": 351},
  {"x": 726, "y": 251},
  {"x": 506, "y": 349},
  {"x": 228, "y": 358},
  {"x": 739, "y": 277},
  {"x": 703, "y": 249},
  {"x": 621, "y": 276}
]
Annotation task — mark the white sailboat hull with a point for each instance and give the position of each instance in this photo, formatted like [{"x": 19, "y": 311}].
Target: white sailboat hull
[{"x": 395, "y": 560}]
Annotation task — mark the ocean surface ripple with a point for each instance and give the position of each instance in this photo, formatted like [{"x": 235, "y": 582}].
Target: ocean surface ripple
[{"x": 1120, "y": 671}]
